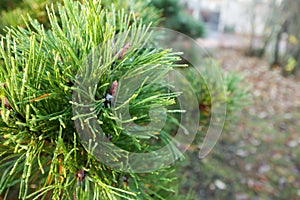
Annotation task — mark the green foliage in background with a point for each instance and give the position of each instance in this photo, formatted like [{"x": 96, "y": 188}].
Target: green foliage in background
[
  {"x": 8, "y": 4},
  {"x": 236, "y": 97},
  {"x": 176, "y": 18},
  {"x": 15, "y": 12},
  {"x": 141, "y": 9}
]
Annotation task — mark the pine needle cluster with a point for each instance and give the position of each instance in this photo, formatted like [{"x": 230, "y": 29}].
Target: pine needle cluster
[{"x": 42, "y": 155}]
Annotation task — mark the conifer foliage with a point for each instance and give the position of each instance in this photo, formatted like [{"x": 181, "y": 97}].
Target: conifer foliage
[
  {"x": 42, "y": 155},
  {"x": 87, "y": 58}
]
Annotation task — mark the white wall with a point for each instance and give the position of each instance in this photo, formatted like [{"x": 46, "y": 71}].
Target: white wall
[
  {"x": 235, "y": 13},
  {"x": 243, "y": 15}
]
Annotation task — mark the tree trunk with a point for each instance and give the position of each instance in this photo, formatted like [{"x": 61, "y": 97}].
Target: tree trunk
[{"x": 276, "y": 61}]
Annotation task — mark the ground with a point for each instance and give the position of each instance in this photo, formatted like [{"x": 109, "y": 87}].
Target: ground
[{"x": 258, "y": 156}]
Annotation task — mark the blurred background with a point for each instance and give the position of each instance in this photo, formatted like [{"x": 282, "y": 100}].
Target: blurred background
[{"x": 258, "y": 154}]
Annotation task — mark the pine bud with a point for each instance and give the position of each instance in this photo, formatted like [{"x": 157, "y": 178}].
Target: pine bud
[
  {"x": 80, "y": 175},
  {"x": 123, "y": 51},
  {"x": 113, "y": 88},
  {"x": 6, "y": 103}
]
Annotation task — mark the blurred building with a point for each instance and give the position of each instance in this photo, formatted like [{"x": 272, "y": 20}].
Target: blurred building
[{"x": 238, "y": 16}]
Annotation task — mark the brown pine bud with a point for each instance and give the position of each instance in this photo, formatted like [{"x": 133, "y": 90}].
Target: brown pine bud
[
  {"x": 6, "y": 103},
  {"x": 114, "y": 88},
  {"x": 80, "y": 175},
  {"x": 123, "y": 51}
]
